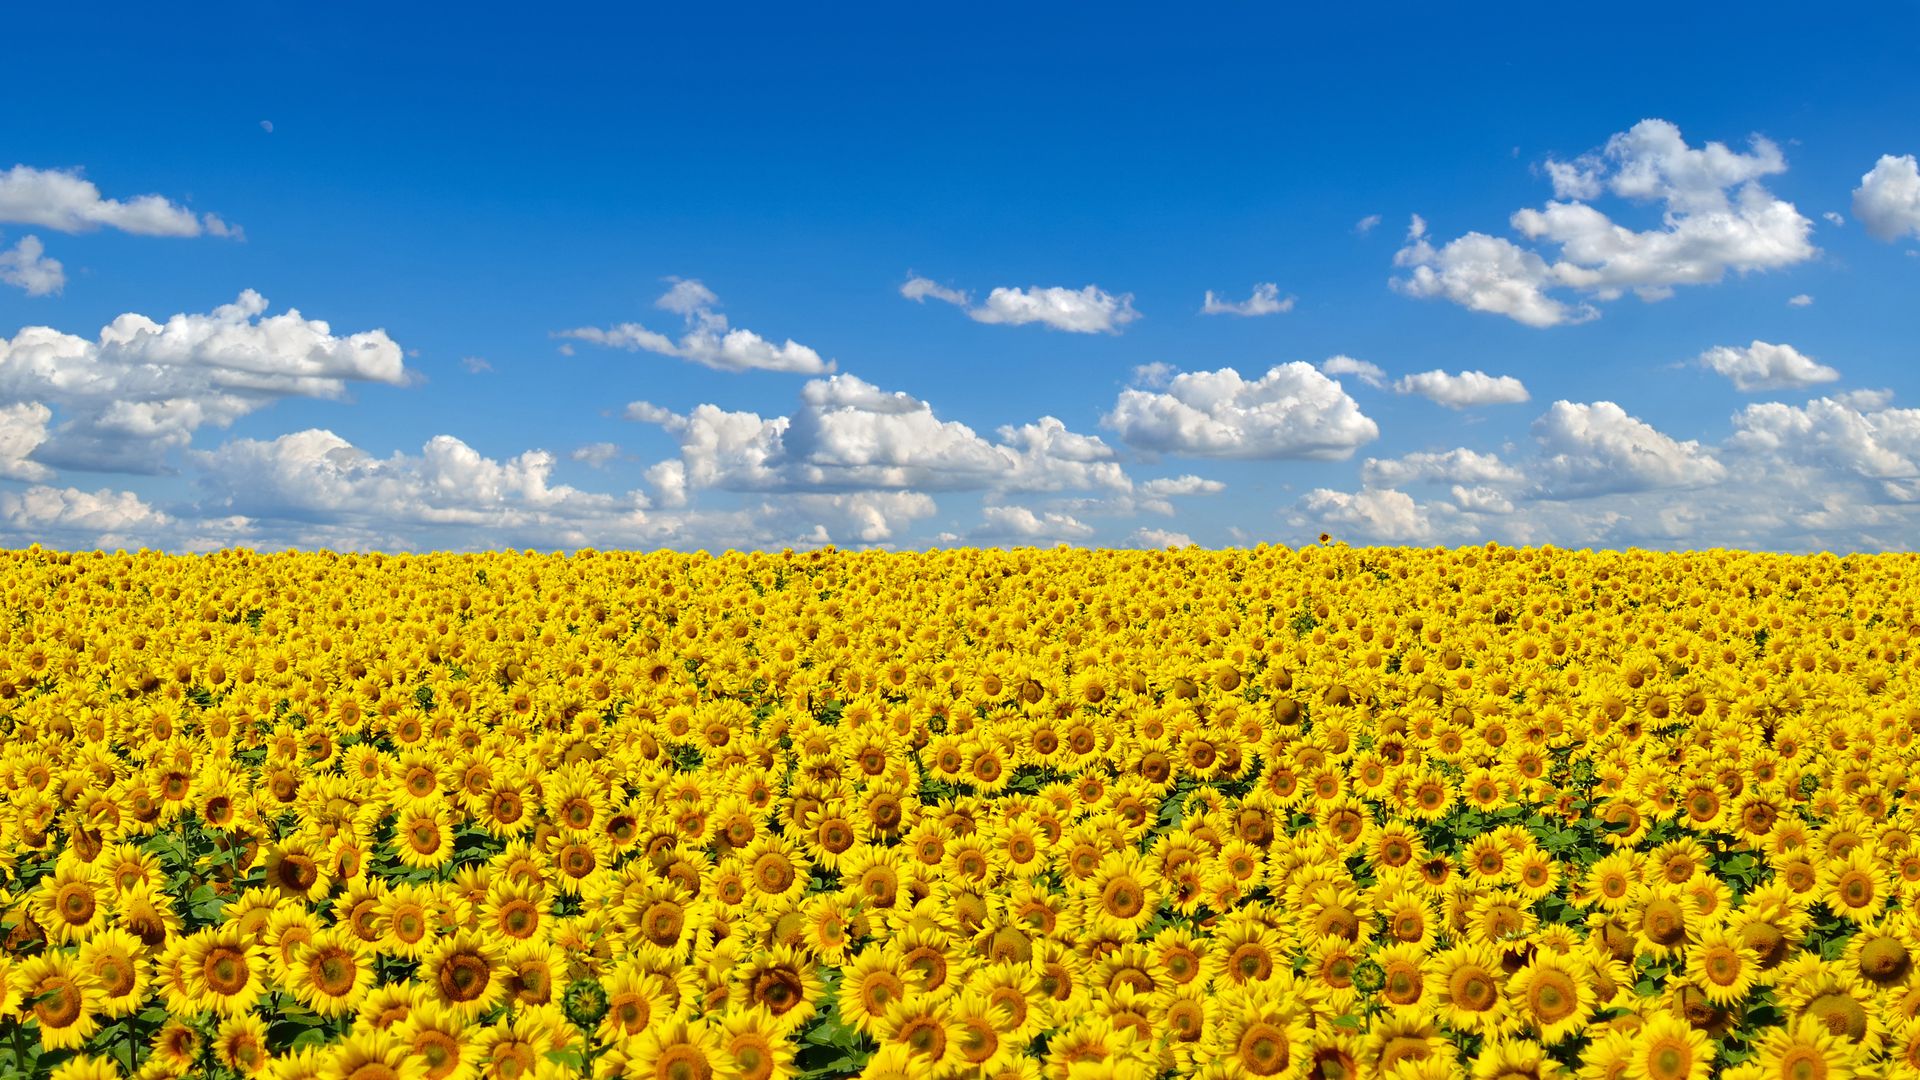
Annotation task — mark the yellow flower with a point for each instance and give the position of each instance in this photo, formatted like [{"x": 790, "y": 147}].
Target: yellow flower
[{"x": 59, "y": 995}]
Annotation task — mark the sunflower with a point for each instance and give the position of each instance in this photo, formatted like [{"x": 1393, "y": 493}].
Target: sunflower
[
  {"x": 1722, "y": 965},
  {"x": 1856, "y": 887},
  {"x": 298, "y": 870},
  {"x": 436, "y": 1036},
  {"x": 1466, "y": 983},
  {"x": 1259, "y": 1037},
  {"x": 517, "y": 1045},
  {"x": 225, "y": 970},
  {"x": 241, "y": 1045},
  {"x": 636, "y": 1001},
  {"x": 371, "y": 1055},
  {"x": 1806, "y": 1050},
  {"x": 175, "y": 1048},
  {"x": 1551, "y": 996},
  {"x": 463, "y": 973},
  {"x": 776, "y": 870},
  {"x": 1665, "y": 918},
  {"x": 1668, "y": 1048},
  {"x": 1404, "y": 1040},
  {"x": 116, "y": 962},
  {"x": 423, "y": 834},
  {"x": 678, "y": 1048},
  {"x": 56, "y": 992},
  {"x": 1121, "y": 894},
  {"x": 71, "y": 903},
  {"x": 784, "y": 982},
  {"x": 331, "y": 973},
  {"x": 407, "y": 921},
  {"x": 757, "y": 1048},
  {"x": 872, "y": 984}
]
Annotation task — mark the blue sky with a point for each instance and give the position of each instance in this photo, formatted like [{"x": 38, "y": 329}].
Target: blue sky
[{"x": 1619, "y": 215}]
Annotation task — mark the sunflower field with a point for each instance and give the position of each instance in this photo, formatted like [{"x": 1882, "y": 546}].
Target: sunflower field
[{"x": 1326, "y": 812}]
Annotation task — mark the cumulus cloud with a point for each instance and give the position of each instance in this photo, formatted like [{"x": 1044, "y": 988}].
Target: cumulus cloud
[
  {"x": 1864, "y": 437},
  {"x": 850, "y": 435},
  {"x": 1266, "y": 300},
  {"x": 1359, "y": 369},
  {"x": 1022, "y": 524},
  {"x": 708, "y": 339},
  {"x": 1089, "y": 310},
  {"x": 918, "y": 289},
  {"x": 1366, "y": 224},
  {"x": 1717, "y": 217},
  {"x": 1457, "y": 466},
  {"x": 596, "y": 455},
  {"x": 1464, "y": 390},
  {"x": 1800, "y": 300},
  {"x": 1188, "y": 484},
  {"x": 1373, "y": 513},
  {"x": 142, "y": 388},
  {"x": 1887, "y": 201},
  {"x": 107, "y": 516},
  {"x": 317, "y": 475},
  {"x": 1154, "y": 375},
  {"x": 23, "y": 427},
  {"x": 65, "y": 201},
  {"x": 1159, "y": 538},
  {"x": 1762, "y": 366},
  {"x": 1597, "y": 448},
  {"x": 1293, "y": 411},
  {"x": 26, "y": 266}
]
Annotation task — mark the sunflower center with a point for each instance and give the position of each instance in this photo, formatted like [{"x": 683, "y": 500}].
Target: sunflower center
[
  {"x": 1473, "y": 989},
  {"x": 464, "y": 977},
  {"x": 1263, "y": 1049}
]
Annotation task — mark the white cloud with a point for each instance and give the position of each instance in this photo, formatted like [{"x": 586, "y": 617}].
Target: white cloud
[
  {"x": 1159, "y": 538},
  {"x": 143, "y": 387},
  {"x": 1457, "y": 466},
  {"x": 1597, "y": 448},
  {"x": 1090, "y": 310},
  {"x": 918, "y": 289},
  {"x": 315, "y": 475},
  {"x": 1864, "y": 400},
  {"x": 1188, "y": 484},
  {"x": 1887, "y": 201},
  {"x": 1265, "y": 300},
  {"x": 1484, "y": 273},
  {"x": 475, "y": 365},
  {"x": 1375, "y": 513},
  {"x": 26, "y": 266},
  {"x": 1293, "y": 411},
  {"x": 1834, "y": 218},
  {"x": 1800, "y": 300},
  {"x": 708, "y": 340},
  {"x": 68, "y": 202},
  {"x": 1359, "y": 369},
  {"x": 1870, "y": 441},
  {"x": 1762, "y": 366},
  {"x": 1466, "y": 389},
  {"x": 1717, "y": 217},
  {"x": 108, "y": 516},
  {"x": 1021, "y": 523},
  {"x": 1366, "y": 224},
  {"x": 596, "y": 455},
  {"x": 1480, "y": 500},
  {"x": 23, "y": 427},
  {"x": 849, "y": 435},
  {"x": 1153, "y": 376}
]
